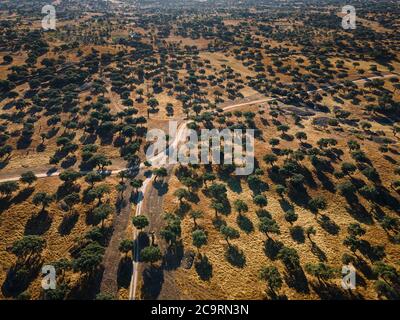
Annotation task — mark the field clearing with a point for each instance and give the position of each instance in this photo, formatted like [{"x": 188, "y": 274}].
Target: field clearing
[
  {"x": 199, "y": 43},
  {"x": 233, "y": 22},
  {"x": 218, "y": 59}
]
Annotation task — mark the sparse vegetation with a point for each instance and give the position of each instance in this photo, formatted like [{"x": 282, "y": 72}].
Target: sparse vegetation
[{"x": 77, "y": 190}]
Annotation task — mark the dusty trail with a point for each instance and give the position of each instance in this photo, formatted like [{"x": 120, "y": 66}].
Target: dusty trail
[{"x": 140, "y": 198}]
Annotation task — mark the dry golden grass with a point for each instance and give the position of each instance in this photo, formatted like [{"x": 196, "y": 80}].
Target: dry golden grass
[
  {"x": 199, "y": 43},
  {"x": 217, "y": 59},
  {"x": 229, "y": 282},
  {"x": 22, "y": 219}
]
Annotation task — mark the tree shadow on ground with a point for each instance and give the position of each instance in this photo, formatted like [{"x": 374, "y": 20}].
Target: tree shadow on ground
[
  {"x": 41, "y": 148},
  {"x": 204, "y": 268},
  {"x": 235, "y": 184},
  {"x": 153, "y": 279},
  {"x": 227, "y": 209},
  {"x": 193, "y": 197},
  {"x": 281, "y": 297},
  {"x": 394, "y": 151},
  {"x": 245, "y": 223},
  {"x": 296, "y": 279},
  {"x": 68, "y": 162},
  {"x": 125, "y": 269},
  {"x": 141, "y": 242},
  {"x": 5, "y": 203},
  {"x": 88, "y": 139},
  {"x": 4, "y": 164},
  {"x": 259, "y": 187},
  {"x": 20, "y": 276},
  {"x": 107, "y": 139},
  {"x": 361, "y": 281},
  {"x": 271, "y": 248},
  {"x": 136, "y": 197},
  {"x": 297, "y": 234},
  {"x": 328, "y": 225},
  {"x": 173, "y": 256},
  {"x": 329, "y": 291},
  {"x": 299, "y": 196},
  {"x": 358, "y": 183},
  {"x": 317, "y": 251},
  {"x": 379, "y": 214},
  {"x": 275, "y": 176},
  {"x": 23, "y": 195},
  {"x": 306, "y": 145},
  {"x": 391, "y": 294},
  {"x": 64, "y": 190},
  {"x": 88, "y": 286},
  {"x": 373, "y": 253},
  {"x": 287, "y": 137},
  {"x": 326, "y": 182},
  {"x": 308, "y": 178},
  {"x": 182, "y": 209},
  {"x": 359, "y": 213},
  {"x": 38, "y": 224},
  {"x": 161, "y": 187},
  {"x": 285, "y": 205},
  {"x": 23, "y": 143},
  {"x": 235, "y": 256},
  {"x": 120, "y": 204},
  {"x": 386, "y": 199},
  {"x": 351, "y": 198},
  {"x": 390, "y": 159},
  {"x": 90, "y": 218},
  {"x": 68, "y": 223},
  {"x": 218, "y": 222},
  {"x": 364, "y": 268}
]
